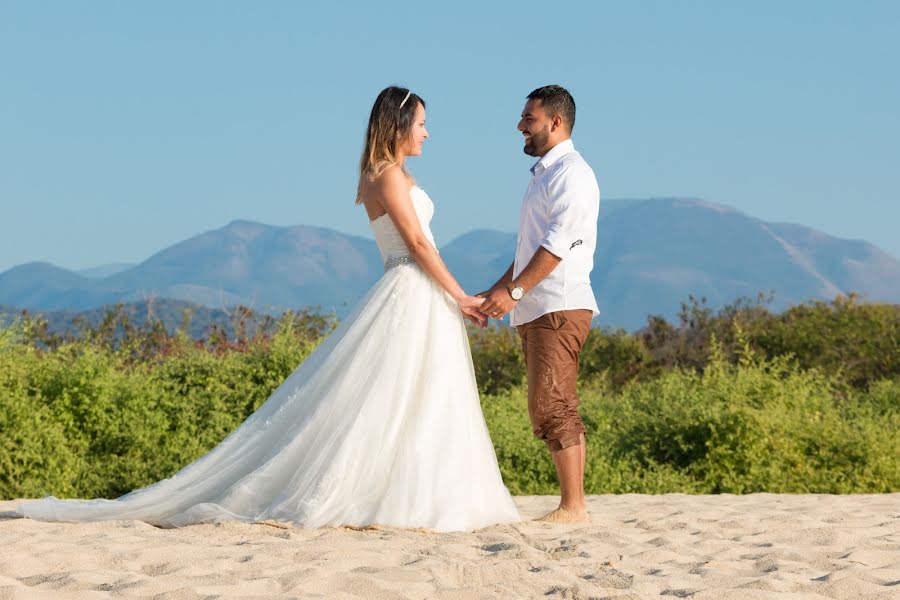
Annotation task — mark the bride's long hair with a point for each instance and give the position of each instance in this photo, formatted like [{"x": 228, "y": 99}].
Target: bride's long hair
[{"x": 389, "y": 126}]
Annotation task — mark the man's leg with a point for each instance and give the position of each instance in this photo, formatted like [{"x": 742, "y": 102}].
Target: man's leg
[
  {"x": 569, "y": 464},
  {"x": 551, "y": 345}
]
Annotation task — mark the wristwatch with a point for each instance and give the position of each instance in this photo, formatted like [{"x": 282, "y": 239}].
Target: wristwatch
[{"x": 516, "y": 292}]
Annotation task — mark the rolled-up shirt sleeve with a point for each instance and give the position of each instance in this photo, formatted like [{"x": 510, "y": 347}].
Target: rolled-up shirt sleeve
[{"x": 572, "y": 195}]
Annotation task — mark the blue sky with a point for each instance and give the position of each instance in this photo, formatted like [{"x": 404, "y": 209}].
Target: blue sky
[{"x": 126, "y": 127}]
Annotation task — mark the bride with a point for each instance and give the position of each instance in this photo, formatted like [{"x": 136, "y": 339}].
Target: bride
[{"x": 382, "y": 423}]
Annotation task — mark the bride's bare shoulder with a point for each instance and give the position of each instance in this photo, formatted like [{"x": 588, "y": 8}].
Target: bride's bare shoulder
[
  {"x": 385, "y": 189},
  {"x": 390, "y": 181}
]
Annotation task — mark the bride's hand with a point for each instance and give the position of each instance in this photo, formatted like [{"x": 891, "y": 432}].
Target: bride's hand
[
  {"x": 471, "y": 310},
  {"x": 468, "y": 301},
  {"x": 479, "y": 320}
]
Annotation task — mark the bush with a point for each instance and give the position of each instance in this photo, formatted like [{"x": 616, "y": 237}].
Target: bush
[
  {"x": 84, "y": 420},
  {"x": 497, "y": 357},
  {"x": 769, "y": 408},
  {"x": 756, "y": 426},
  {"x": 859, "y": 342},
  {"x": 616, "y": 356}
]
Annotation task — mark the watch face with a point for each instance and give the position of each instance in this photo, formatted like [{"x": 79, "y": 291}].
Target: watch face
[{"x": 517, "y": 293}]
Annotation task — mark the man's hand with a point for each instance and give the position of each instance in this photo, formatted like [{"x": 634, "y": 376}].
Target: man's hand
[{"x": 497, "y": 303}]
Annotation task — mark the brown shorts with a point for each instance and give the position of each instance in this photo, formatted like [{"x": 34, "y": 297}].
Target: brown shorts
[{"x": 551, "y": 344}]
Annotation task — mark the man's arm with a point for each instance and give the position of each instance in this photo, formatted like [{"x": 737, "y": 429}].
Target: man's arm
[
  {"x": 541, "y": 264},
  {"x": 570, "y": 210},
  {"x": 498, "y": 301}
]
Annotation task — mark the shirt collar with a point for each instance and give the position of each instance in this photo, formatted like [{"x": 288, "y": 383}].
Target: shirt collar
[{"x": 554, "y": 154}]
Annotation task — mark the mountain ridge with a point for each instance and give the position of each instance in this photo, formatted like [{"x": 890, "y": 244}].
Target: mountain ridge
[{"x": 651, "y": 254}]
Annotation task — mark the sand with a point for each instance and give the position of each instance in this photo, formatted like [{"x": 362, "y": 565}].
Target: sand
[{"x": 700, "y": 547}]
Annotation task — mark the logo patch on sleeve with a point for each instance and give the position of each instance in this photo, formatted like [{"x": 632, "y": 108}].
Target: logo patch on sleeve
[{"x": 575, "y": 243}]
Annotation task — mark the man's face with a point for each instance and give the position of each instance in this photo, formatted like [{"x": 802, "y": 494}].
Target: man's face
[{"x": 535, "y": 126}]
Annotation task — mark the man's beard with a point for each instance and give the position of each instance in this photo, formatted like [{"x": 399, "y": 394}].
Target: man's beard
[{"x": 537, "y": 144}]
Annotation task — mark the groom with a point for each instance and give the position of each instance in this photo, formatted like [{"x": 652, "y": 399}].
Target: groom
[{"x": 547, "y": 289}]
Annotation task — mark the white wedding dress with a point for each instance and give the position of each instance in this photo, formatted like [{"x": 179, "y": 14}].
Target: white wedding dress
[{"x": 380, "y": 425}]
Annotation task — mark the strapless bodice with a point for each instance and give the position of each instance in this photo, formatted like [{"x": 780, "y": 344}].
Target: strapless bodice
[{"x": 388, "y": 238}]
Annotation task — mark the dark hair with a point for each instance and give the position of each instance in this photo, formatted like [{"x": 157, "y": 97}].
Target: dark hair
[
  {"x": 556, "y": 100},
  {"x": 389, "y": 123}
]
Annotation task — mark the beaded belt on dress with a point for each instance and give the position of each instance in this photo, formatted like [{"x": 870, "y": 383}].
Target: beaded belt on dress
[{"x": 396, "y": 261}]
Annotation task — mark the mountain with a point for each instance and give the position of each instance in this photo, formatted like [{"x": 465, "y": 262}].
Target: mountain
[
  {"x": 267, "y": 268},
  {"x": 104, "y": 270},
  {"x": 848, "y": 264},
  {"x": 173, "y": 314},
  {"x": 479, "y": 257},
  {"x": 651, "y": 254},
  {"x": 45, "y": 286},
  {"x": 264, "y": 267},
  {"x": 655, "y": 253}
]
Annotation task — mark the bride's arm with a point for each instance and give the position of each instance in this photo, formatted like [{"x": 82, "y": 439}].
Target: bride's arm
[{"x": 392, "y": 189}]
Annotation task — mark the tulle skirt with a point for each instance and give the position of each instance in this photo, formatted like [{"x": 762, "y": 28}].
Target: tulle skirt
[{"x": 380, "y": 425}]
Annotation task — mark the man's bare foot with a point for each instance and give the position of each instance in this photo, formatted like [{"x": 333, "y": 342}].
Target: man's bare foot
[{"x": 564, "y": 515}]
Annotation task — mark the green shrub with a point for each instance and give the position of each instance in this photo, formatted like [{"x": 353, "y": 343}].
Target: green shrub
[
  {"x": 84, "y": 420},
  {"x": 755, "y": 426},
  {"x": 858, "y": 341},
  {"x": 102, "y": 415},
  {"x": 615, "y": 355},
  {"x": 497, "y": 357}
]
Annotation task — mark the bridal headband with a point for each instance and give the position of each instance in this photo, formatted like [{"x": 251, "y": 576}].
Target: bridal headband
[{"x": 408, "y": 92}]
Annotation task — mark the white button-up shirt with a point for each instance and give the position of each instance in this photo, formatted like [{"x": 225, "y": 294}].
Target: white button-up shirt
[{"x": 559, "y": 212}]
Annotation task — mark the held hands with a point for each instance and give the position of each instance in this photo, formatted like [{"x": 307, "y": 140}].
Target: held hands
[
  {"x": 494, "y": 303},
  {"x": 471, "y": 310},
  {"x": 497, "y": 302}
]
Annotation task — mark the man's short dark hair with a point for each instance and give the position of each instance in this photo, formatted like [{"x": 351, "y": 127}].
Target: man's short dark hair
[{"x": 556, "y": 100}]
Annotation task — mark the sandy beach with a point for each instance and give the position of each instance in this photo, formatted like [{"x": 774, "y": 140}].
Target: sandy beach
[{"x": 702, "y": 547}]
